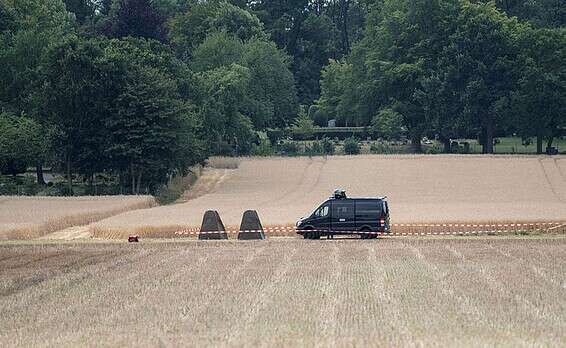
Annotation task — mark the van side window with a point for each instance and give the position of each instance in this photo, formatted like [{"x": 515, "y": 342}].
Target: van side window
[
  {"x": 322, "y": 211},
  {"x": 370, "y": 209},
  {"x": 343, "y": 210}
]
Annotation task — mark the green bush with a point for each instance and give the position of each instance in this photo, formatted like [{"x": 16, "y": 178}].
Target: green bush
[
  {"x": 289, "y": 148},
  {"x": 378, "y": 148},
  {"x": 263, "y": 149},
  {"x": 170, "y": 193},
  {"x": 314, "y": 149},
  {"x": 167, "y": 194},
  {"x": 432, "y": 150},
  {"x": 351, "y": 146},
  {"x": 328, "y": 146},
  {"x": 18, "y": 185}
]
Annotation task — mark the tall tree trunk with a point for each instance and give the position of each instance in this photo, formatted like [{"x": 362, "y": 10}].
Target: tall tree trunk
[
  {"x": 138, "y": 183},
  {"x": 345, "y": 36},
  {"x": 488, "y": 138},
  {"x": 39, "y": 174},
  {"x": 69, "y": 175},
  {"x": 416, "y": 143},
  {"x": 91, "y": 183},
  {"x": 539, "y": 144},
  {"x": 133, "y": 176},
  {"x": 446, "y": 143},
  {"x": 550, "y": 140}
]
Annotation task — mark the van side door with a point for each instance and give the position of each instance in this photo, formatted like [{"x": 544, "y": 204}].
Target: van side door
[
  {"x": 343, "y": 218},
  {"x": 368, "y": 213}
]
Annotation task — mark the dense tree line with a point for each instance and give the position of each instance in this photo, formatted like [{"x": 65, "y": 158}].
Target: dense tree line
[
  {"x": 140, "y": 89},
  {"x": 144, "y": 89},
  {"x": 454, "y": 69}
]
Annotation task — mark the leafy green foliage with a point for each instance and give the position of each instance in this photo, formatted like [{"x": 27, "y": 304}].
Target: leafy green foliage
[
  {"x": 541, "y": 88},
  {"x": 450, "y": 69},
  {"x": 136, "y": 18},
  {"x": 272, "y": 98},
  {"x": 264, "y": 148},
  {"x": 218, "y": 49},
  {"x": 328, "y": 146},
  {"x": 388, "y": 124},
  {"x": 304, "y": 123},
  {"x": 189, "y": 29},
  {"x": 22, "y": 142},
  {"x": 141, "y": 90},
  {"x": 334, "y": 102},
  {"x": 352, "y": 146}
]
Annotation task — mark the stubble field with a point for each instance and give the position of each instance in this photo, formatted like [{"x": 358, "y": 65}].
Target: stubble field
[
  {"x": 389, "y": 292},
  {"x": 421, "y": 189}
]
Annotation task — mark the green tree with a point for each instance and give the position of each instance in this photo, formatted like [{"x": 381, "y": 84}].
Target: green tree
[
  {"x": 29, "y": 28},
  {"x": 74, "y": 99},
  {"x": 541, "y": 13},
  {"x": 484, "y": 49},
  {"x": 136, "y": 18},
  {"x": 539, "y": 100},
  {"x": 388, "y": 124},
  {"x": 272, "y": 97},
  {"x": 333, "y": 86},
  {"x": 312, "y": 32},
  {"x": 223, "y": 92},
  {"x": 82, "y": 9},
  {"x": 304, "y": 123},
  {"x": 217, "y": 50},
  {"x": 22, "y": 142},
  {"x": 154, "y": 129},
  {"x": 189, "y": 29}
]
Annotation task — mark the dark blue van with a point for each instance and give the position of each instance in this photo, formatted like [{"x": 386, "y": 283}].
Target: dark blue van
[{"x": 341, "y": 215}]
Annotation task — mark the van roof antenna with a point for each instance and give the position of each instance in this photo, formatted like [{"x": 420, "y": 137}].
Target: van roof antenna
[{"x": 339, "y": 194}]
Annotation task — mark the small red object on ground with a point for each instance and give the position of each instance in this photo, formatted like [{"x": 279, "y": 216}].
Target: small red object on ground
[{"x": 133, "y": 239}]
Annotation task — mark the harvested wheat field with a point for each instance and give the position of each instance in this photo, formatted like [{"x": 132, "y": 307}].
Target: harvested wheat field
[
  {"x": 286, "y": 292},
  {"x": 32, "y": 217},
  {"x": 439, "y": 189}
]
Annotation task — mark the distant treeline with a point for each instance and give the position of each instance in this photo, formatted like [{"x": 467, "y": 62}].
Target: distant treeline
[
  {"x": 144, "y": 89},
  {"x": 453, "y": 69}
]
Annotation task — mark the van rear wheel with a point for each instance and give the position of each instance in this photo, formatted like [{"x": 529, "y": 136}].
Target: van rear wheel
[{"x": 365, "y": 233}]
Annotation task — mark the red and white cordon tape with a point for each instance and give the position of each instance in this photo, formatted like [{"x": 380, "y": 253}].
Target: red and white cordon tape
[
  {"x": 479, "y": 225},
  {"x": 194, "y": 231},
  {"x": 539, "y": 225}
]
